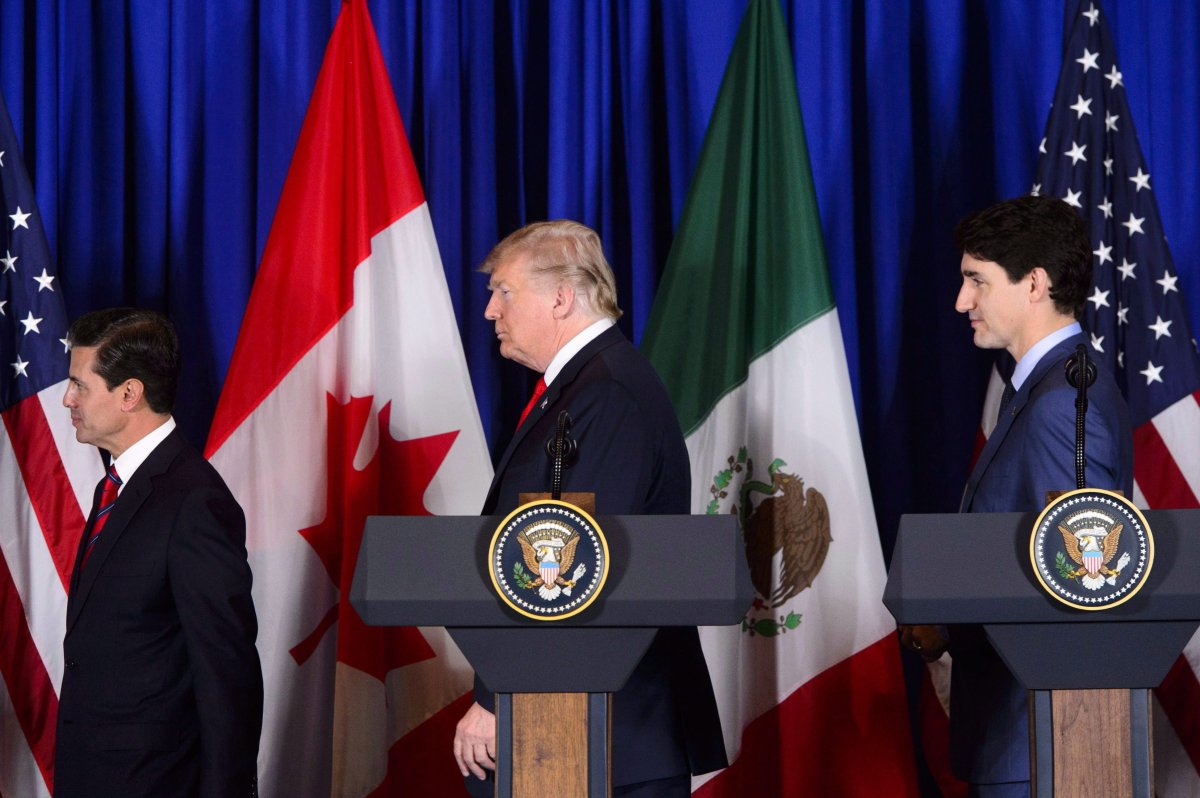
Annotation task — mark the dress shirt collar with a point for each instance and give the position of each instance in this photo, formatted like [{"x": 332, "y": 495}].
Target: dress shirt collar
[
  {"x": 133, "y": 457},
  {"x": 1026, "y": 364},
  {"x": 571, "y": 348}
]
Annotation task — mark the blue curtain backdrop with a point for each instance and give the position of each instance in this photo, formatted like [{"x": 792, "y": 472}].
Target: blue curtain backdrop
[{"x": 158, "y": 135}]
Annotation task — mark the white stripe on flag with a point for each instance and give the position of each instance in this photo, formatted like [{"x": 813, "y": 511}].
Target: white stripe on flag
[
  {"x": 20, "y": 776},
  {"x": 1178, "y": 426}
]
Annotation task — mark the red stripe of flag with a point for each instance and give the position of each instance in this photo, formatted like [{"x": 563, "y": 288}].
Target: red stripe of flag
[
  {"x": 935, "y": 740},
  {"x": 46, "y": 482},
  {"x": 827, "y": 737},
  {"x": 324, "y": 226},
  {"x": 424, "y": 750},
  {"x": 1179, "y": 695},
  {"x": 29, "y": 687},
  {"x": 1161, "y": 481}
]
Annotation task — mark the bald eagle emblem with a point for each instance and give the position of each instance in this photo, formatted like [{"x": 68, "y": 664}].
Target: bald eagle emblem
[
  {"x": 1091, "y": 549},
  {"x": 1091, "y": 538},
  {"x": 786, "y": 531},
  {"x": 549, "y": 550},
  {"x": 548, "y": 560}
]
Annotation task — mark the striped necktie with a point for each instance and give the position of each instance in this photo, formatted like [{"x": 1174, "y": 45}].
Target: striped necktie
[{"x": 108, "y": 497}]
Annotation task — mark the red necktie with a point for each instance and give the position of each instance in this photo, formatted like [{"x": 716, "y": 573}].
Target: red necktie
[
  {"x": 108, "y": 497},
  {"x": 538, "y": 390}
]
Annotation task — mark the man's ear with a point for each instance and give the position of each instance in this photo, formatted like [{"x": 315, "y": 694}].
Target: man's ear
[
  {"x": 132, "y": 391},
  {"x": 1039, "y": 284},
  {"x": 564, "y": 301}
]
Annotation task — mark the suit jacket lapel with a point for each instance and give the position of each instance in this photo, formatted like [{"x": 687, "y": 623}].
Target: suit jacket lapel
[
  {"x": 133, "y": 495},
  {"x": 554, "y": 390},
  {"x": 1005, "y": 421}
]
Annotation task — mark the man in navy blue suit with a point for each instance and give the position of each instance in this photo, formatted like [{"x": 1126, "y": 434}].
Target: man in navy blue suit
[
  {"x": 162, "y": 690},
  {"x": 1026, "y": 273},
  {"x": 554, "y": 305}
]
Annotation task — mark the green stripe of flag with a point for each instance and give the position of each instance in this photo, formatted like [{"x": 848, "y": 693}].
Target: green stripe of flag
[{"x": 747, "y": 266}]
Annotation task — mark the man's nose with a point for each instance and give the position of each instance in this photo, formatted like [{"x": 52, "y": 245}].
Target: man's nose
[
  {"x": 489, "y": 312},
  {"x": 965, "y": 301}
]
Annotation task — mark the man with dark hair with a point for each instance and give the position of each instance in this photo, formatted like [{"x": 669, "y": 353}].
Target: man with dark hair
[
  {"x": 554, "y": 304},
  {"x": 162, "y": 688},
  {"x": 1026, "y": 272}
]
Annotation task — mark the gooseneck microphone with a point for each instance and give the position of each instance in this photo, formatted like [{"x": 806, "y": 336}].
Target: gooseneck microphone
[
  {"x": 1081, "y": 373},
  {"x": 562, "y": 450}
]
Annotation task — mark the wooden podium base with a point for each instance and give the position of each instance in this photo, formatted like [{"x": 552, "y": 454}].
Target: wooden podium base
[
  {"x": 1085, "y": 743},
  {"x": 558, "y": 739}
]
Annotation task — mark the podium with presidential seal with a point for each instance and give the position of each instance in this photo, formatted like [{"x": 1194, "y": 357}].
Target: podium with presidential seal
[
  {"x": 1089, "y": 611},
  {"x": 553, "y": 608}
]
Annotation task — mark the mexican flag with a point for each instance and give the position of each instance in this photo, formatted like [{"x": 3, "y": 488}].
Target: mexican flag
[{"x": 745, "y": 334}]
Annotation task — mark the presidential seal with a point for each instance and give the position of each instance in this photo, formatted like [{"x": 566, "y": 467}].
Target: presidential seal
[
  {"x": 548, "y": 560},
  {"x": 1091, "y": 549}
]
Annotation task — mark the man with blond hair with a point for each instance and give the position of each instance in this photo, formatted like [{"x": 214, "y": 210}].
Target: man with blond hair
[{"x": 554, "y": 304}]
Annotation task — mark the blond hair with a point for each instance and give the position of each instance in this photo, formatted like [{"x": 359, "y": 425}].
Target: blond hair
[{"x": 563, "y": 251}]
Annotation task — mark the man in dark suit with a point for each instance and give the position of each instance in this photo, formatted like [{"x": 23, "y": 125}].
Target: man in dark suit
[
  {"x": 1026, "y": 273},
  {"x": 162, "y": 690},
  {"x": 554, "y": 305}
]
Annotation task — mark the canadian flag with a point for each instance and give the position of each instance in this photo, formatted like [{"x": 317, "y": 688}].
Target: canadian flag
[{"x": 347, "y": 396}]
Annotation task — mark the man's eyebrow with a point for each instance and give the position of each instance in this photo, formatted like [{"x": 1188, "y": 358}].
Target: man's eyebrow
[{"x": 969, "y": 273}]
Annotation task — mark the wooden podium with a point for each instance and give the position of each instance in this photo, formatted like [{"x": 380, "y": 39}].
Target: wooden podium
[
  {"x": 1089, "y": 672},
  {"x": 665, "y": 570}
]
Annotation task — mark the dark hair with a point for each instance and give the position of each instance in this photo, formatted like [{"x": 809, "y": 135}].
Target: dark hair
[
  {"x": 132, "y": 344},
  {"x": 1026, "y": 232}
]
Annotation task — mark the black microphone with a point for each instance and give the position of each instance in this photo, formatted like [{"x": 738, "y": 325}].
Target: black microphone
[
  {"x": 562, "y": 450},
  {"x": 1080, "y": 365},
  {"x": 1073, "y": 367}
]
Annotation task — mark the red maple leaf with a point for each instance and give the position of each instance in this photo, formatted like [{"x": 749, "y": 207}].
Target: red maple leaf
[{"x": 392, "y": 483}]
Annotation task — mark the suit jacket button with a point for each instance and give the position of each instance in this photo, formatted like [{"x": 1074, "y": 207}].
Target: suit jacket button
[{"x": 70, "y": 663}]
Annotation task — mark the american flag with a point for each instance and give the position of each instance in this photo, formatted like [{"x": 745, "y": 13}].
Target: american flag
[
  {"x": 1136, "y": 313},
  {"x": 40, "y": 511}
]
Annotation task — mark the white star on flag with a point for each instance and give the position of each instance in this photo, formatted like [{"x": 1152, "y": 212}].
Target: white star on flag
[
  {"x": 1042, "y": 146},
  {"x": 1134, "y": 224},
  {"x": 1099, "y": 298},
  {"x": 1082, "y": 107},
  {"x": 1088, "y": 60},
  {"x": 1152, "y": 372},
  {"x": 1108, "y": 162},
  {"x": 1076, "y": 153},
  {"x": 66, "y": 344},
  {"x": 1114, "y": 78},
  {"x": 1160, "y": 327},
  {"x": 1110, "y": 121},
  {"x": 19, "y": 219},
  {"x": 1072, "y": 198},
  {"x": 31, "y": 324},
  {"x": 1097, "y": 342},
  {"x": 19, "y": 367},
  {"x": 9, "y": 260},
  {"x": 1104, "y": 253},
  {"x": 1126, "y": 269},
  {"x": 44, "y": 280},
  {"x": 1092, "y": 14},
  {"x": 1168, "y": 282},
  {"x": 3, "y": 302},
  {"x": 1106, "y": 208},
  {"x": 1122, "y": 314},
  {"x": 1141, "y": 179}
]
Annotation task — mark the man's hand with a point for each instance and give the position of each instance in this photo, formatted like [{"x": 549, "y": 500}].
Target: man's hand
[
  {"x": 475, "y": 742},
  {"x": 925, "y": 640}
]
